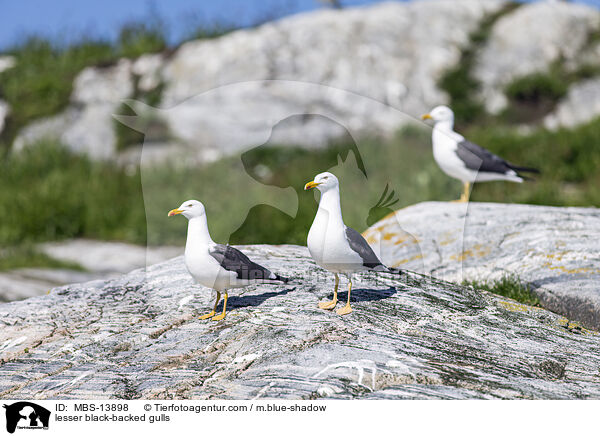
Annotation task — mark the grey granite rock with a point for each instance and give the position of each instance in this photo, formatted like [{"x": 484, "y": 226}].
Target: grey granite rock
[
  {"x": 369, "y": 69},
  {"x": 87, "y": 125},
  {"x": 582, "y": 104},
  {"x": 554, "y": 249},
  {"x": 99, "y": 260},
  {"x": 138, "y": 336},
  {"x": 7, "y": 62},
  {"x": 4, "y": 111},
  {"x": 148, "y": 68},
  {"x": 528, "y": 41}
]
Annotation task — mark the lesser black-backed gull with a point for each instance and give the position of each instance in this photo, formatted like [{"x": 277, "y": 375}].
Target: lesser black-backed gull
[
  {"x": 465, "y": 160},
  {"x": 336, "y": 247},
  {"x": 216, "y": 266}
]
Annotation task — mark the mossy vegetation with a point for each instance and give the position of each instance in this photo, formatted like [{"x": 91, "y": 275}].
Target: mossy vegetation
[
  {"x": 533, "y": 96},
  {"x": 459, "y": 82},
  {"x": 509, "y": 286}
]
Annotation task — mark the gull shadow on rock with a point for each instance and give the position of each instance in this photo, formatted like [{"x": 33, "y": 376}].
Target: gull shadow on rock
[
  {"x": 253, "y": 299},
  {"x": 365, "y": 294}
]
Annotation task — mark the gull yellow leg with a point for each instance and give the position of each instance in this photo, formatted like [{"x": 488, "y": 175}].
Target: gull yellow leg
[
  {"x": 329, "y": 305},
  {"x": 346, "y": 309},
  {"x": 212, "y": 312},
  {"x": 465, "y": 195},
  {"x": 222, "y": 315}
]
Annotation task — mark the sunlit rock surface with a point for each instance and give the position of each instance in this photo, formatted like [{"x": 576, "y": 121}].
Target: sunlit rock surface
[
  {"x": 553, "y": 249},
  {"x": 529, "y": 40},
  {"x": 138, "y": 336},
  {"x": 371, "y": 69},
  {"x": 582, "y": 104}
]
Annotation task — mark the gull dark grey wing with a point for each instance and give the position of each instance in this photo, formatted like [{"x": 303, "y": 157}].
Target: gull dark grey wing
[
  {"x": 479, "y": 159},
  {"x": 362, "y": 247},
  {"x": 234, "y": 260}
]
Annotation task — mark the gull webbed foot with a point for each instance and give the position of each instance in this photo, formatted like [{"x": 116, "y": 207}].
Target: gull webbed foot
[
  {"x": 328, "y": 305},
  {"x": 344, "y": 310},
  {"x": 218, "y": 317},
  {"x": 208, "y": 315}
]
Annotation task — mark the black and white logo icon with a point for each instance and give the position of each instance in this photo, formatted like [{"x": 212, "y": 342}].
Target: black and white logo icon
[{"x": 26, "y": 415}]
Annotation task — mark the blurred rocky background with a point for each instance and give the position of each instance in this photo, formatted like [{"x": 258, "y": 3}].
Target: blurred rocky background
[{"x": 99, "y": 138}]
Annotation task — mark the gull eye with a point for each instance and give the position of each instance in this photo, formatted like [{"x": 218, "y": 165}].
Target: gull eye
[{"x": 189, "y": 205}]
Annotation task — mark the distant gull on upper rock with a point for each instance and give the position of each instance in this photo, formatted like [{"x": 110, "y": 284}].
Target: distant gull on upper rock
[
  {"x": 465, "y": 160},
  {"x": 336, "y": 247},
  {"x": 217, "y": 266}
]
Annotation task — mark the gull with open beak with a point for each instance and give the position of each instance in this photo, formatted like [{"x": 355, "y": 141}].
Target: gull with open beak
[
  {"x": 336, "y": 247},
  {"x": 465, "y": 160},
  {"x": 216, "y": 266}
]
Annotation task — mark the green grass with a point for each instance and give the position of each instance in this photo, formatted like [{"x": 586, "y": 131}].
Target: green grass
[
  {"x": 51, "y": 194},
  {"x": 567, "y": 160},
  {"x": 138, "y": 38},
  {"x": 155, "y": 129},
  {"x": 47, "y": 193},
  {"x": 508, "y": 286},
  {"x": 536, "y": 87},
  {"x": 242, "y": 195},
  {"x": 531, "y": 97}
]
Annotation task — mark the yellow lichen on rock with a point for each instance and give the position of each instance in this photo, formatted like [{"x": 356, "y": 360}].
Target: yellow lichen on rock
[{"x": 477, "y": 250}]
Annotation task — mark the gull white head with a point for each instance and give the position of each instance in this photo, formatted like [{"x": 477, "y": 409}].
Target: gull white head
[
  {"x": 440, "y": 114},
  {"x": 189, "y": 209},
  {"x": 323, "y": 182}
]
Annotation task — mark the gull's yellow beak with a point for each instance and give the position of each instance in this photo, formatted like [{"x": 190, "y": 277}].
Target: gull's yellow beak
[
  {"x": 175, "y": 212},
  {"x": 426, "y": 117},
  {"x": 311, "y": 185}
]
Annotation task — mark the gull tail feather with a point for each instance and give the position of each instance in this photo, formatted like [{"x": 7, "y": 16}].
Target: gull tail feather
[
  {"x": 387, "y": 269},
  {"x": 525, "y": 169}
]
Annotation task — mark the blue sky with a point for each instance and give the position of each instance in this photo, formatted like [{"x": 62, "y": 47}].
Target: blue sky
[{"x": 65, "y": 20}]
